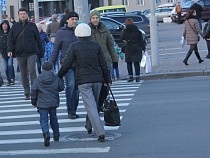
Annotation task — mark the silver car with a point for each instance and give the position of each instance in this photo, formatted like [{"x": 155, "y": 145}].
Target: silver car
[{"x": 161, "y": 13}]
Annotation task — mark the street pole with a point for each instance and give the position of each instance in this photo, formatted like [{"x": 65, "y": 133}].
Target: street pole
[
  {"x": 154, "y": 35},
  {"x": 20, "y": 3},
  {"x": 1, "y": 15},
  {"x": 81, "y": 7},
  {"x": 36, "y": 11}
]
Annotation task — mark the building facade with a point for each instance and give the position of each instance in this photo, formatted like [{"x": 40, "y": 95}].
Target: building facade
[{"x": 46, "y": 7}]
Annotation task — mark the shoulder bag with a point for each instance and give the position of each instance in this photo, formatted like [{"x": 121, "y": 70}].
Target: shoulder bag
[
  {"x": 194, "y": 31},
  {"x": 13, "y": 49},
  {"x": 111, "y": 111}
]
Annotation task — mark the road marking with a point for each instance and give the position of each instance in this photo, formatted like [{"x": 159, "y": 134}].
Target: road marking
[
  {"x": 56, "y": 151},
  {"x": 26, "y": 123},
  {"x": 39, "y": 131}
]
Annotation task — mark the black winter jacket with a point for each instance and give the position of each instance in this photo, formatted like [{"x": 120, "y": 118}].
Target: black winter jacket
[
  {"x": 27, "y": 43},
  {"x": 45, "y": 90},
  {"x": 134, "y": 43},
  {"x": 64, "y": 37},
  {"x": 3, "y": 40},
  {"x": 198, "y": 9},
  {"x": 91, "y": 66}
]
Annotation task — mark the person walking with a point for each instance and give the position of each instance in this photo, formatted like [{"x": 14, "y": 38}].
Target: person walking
[
  {"x": 119, "y": 54},
  {"x": 198, "y": 8},
  {"x": 206, "y": 33},
  {"x": 8, "y": 61},
  {"x": 45, "y": 96},
  {"x": 133, "y": 49},
  {"x": 101, "y": 34},
  {"x": 53, "y": 27},
  {"x": 44, "y": 40},
  {"x": 64, "y": 37},
  {"x": 192, "y": 30},
  {"x": 63, "y": 20},
  {"x": 48, "y": 51},
  {"x": 24, "y": 37},
  {"x": 91, "y": 70},
  {"x": 178, "y": 10}
]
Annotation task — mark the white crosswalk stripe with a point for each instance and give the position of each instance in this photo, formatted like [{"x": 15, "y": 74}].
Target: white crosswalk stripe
[{"x": 19, "y": 121}]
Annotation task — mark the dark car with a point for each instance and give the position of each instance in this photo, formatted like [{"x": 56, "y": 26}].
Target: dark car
[
  {"x": 205, "y": 14},
  {"x": 116, "y": 29},
  {"x": 140, "y": 20}
]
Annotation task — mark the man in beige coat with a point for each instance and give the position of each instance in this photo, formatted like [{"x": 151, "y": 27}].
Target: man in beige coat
[
  {"x": 53, "y": 27},
  {"x": 101, "y": 34}
]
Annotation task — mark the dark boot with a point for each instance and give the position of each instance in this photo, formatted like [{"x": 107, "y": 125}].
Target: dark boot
[
  {"x": 130, "y": 79},
  {"x": 46, "y": 139},
  {"x": 137, "y": 79},
  {"x": 56, "y": 138},
  {"x": 101, "y": 138},
  {"x": 198, "y": 56},
  {"x": 187, "y": 57}
]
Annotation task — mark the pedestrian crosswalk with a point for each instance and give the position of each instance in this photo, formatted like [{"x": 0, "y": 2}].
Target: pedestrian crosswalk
[{"x": 19, "y": 122}]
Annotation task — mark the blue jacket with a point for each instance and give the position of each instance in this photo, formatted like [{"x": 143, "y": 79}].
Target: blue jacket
[
  {"x": 64, "y": 37},
  {"x": 45, "y": 90},
  {"x": 44, "y": 40},
  {"x": 48, "y": 51}
]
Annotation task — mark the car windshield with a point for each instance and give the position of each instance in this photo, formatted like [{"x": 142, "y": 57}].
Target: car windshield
[{"x": 188, "y": 4}]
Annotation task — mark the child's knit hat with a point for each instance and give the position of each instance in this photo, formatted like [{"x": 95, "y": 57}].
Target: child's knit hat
[{"x": 47, "y": 66}]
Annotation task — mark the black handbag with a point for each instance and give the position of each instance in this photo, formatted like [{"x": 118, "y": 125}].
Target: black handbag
[
  {"x": 111, "y": 111},
  {"x": 123, "y": 48},
  {"x": 1, "y": 81}
]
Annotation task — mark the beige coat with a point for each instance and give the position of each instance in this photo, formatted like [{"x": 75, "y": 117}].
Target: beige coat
[{"x": 192, "y": 36}]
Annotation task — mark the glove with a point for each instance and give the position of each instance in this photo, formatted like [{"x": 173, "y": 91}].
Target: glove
[{"x": 115, "y": 64}]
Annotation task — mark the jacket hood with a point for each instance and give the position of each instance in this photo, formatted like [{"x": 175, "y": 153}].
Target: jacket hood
[
  {"x": 47, "y": 77},
  {"x": 6, "y": 22},
  {"x": 132, "y": 27}
]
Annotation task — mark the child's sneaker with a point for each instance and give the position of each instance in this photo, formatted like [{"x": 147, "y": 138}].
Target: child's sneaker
[
  {"x": 56, "y": 138},
  {"x": 46, "y": 139}
]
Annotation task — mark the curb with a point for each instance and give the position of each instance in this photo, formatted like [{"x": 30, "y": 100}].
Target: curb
[{"x": 173, "y": 75}]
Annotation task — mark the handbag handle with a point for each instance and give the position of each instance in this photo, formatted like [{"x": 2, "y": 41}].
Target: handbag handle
[{"x": 112, "y": 95}]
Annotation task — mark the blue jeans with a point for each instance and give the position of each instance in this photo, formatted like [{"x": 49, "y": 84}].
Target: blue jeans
[
  {"x": 130, "y": 69},
  {"x": 56, "y": 67},
  {"x": 9, "y": 68},
  {"x": 53, "y": 121},
  {"x": 72, "y": 92},
  {"x": 116, "y": 70},
  {"x": 39, "y": 62},
  {"x": 200, "y": 23}
]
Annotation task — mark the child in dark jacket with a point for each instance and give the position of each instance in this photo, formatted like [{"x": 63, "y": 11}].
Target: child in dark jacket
[{"x": 45, "y": 96}]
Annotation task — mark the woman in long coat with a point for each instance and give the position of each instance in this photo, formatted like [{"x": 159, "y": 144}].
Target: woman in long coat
[
  {"x": 192, "y": 30},
  {"x": 133, "y": 49}
]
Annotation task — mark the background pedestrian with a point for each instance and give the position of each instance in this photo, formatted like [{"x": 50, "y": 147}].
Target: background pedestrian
[{"x": 191, "y": 30}]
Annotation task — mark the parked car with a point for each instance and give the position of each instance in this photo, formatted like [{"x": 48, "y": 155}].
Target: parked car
[
  {"x": 136, "y": 12},
  {"x": 116, "y": 29},
  {"x": 141, "y": 21},
  {"x": 205, "y": 14},
  {"x": 145, "y": 12},
  {"x": 161, "y": 13},
  {"x": 40, "y": 19},
  {"x": 46, "y": 21},
  {"x": 114, "y": 8}
]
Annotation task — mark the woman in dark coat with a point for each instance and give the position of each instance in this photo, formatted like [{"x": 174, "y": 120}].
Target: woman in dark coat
[
  {"x": 206, "y": 32},
  {"x": 192, "y": 30},
  {"x": 133, "y": 49}
]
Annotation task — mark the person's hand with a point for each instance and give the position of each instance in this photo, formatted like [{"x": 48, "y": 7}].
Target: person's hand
[
  {"x": 59, "y": 61},
  {"x": 35, "y": 106},
  {"x": 115, "y": 64},
  {"x": 9, "y": 54},
  {"x": 105, "y": 84},
  {"x": 208, "y": 39},
  {"x": 145, "y": 50}
]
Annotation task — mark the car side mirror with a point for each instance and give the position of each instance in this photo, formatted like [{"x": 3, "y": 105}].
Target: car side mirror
[{"x": 120, "y": 28}]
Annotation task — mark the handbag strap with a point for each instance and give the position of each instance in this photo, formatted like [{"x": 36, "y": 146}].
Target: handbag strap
[
  {"x": 22, "y": 32},
  {"x": 112, "y": 95},
  {"x": 192, "y": 27}
]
